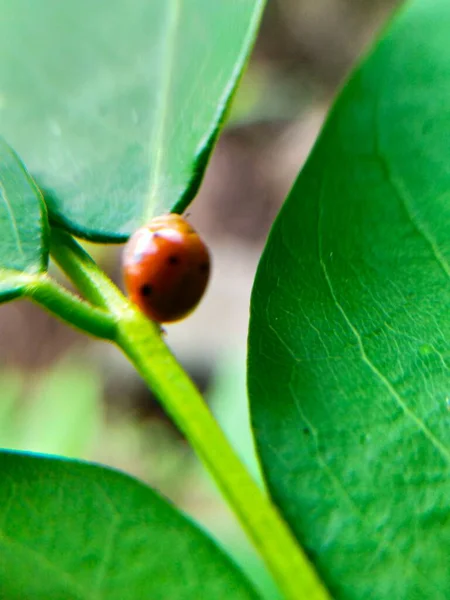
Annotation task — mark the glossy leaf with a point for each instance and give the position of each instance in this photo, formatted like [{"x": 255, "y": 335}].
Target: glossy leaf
[
  {"x": 23, "y": 226},
  {"x": 74, "y": 530},
  {"x": 349, "y": 361},
  {"x": 23, "y": 219},
  {"x": 115, "y": 105}
]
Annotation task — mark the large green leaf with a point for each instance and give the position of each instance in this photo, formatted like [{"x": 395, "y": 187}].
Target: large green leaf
[
  {"x": 115, "y": 105},
  {"x": 23, "y": 226},
  {"x": 349, "y": 361},
  {"x": 76, "y": 531}
]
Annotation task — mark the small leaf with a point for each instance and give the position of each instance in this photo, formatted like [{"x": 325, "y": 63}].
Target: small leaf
[
  {"x": 349, "y": 354},
  {"x": 23, "y": 218},
  {"x": 115, "y": 106},
  {"x": 74, "y": 530},
  {"x": 23, "y": 226}
]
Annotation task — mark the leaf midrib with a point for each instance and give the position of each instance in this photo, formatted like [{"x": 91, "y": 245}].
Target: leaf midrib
[
  {"x": 12, "y": 218},
  {"x": 156, "y": 147}
]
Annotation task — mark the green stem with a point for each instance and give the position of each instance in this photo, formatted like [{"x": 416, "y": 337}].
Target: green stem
[
  {"x": 71, "y": 309},
  {"x": 259, "y": 517},
  {"x": 141, "y": 341},
  {"x": 81, "y": 269}
]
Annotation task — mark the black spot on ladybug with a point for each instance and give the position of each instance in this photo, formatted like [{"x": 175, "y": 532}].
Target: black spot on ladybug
[
  {"x": 146, "y": 290},
  {"x": 166, "y": 275}
]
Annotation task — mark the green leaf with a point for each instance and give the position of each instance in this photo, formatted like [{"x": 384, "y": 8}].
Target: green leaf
[
  {"x": 115, "y": 106},
  {"x": 23, "y": 225},
  {"x": 74, "y": 530},
  {"x": 349, "y": 360}
]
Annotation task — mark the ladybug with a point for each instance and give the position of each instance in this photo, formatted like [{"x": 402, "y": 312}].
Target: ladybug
[{"x": 166, "y": 268}]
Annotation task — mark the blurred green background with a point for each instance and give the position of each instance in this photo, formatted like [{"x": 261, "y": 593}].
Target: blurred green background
[{"x": 62, "y": 393}]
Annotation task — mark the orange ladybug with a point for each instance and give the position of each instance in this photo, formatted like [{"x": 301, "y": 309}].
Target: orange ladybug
[{"x": 166, "y": 268}]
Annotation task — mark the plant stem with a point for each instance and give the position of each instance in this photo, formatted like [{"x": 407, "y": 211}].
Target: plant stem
[
  {"x": 264, "y": 525},
  {"x": 140, "y": 339},
  {"x": 78, "y": 265},
  {"x": 71, "y": 309}
]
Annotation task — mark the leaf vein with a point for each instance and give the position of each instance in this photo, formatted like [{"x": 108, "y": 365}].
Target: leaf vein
[
  {"x": 156, "y": 148},
  {"x": 439, "y": 446},
  {"x": 12, "y": 218},
  {"x": 403, "y": 195}
]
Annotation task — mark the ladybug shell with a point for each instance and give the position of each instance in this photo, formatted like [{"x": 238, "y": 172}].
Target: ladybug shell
[{"x": 166, "y": 268}]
